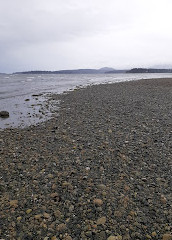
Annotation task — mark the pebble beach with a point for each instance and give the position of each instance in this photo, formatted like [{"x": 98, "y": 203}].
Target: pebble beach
[{"x": 100, "y": 169}]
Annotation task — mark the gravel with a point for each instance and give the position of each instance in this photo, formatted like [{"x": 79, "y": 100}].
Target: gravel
[{"x": 100, "y": 169}]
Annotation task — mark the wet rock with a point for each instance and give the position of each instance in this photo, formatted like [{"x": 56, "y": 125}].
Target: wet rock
[
  {"x": 37, "y": 95},
  {"x": 4, "y": 114}
]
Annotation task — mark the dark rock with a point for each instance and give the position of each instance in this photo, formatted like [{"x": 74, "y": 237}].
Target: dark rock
[
  {"x": 100, "y": 236},
  {"x": 4, "y": 114},
  {"x": 37, "y": 95}
]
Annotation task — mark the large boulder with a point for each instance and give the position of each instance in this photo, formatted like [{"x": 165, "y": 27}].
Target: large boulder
[{"x": 4, "y": 114}]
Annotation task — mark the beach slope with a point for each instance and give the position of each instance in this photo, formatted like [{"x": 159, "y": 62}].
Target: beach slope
[{"x": 101, "y": 169}]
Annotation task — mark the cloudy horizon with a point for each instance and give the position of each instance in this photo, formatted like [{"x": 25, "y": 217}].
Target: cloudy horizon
[{"x": 72, "y": 34}]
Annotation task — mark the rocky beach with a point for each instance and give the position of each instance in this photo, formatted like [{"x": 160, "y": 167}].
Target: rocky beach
[{"x": 100, "y": 169}]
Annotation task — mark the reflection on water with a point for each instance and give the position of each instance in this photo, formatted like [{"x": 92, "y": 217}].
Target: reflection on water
[{"x": 16, "y": 92}]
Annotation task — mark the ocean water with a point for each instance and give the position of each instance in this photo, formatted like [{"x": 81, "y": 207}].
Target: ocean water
[{"x": 25, "y": 96}]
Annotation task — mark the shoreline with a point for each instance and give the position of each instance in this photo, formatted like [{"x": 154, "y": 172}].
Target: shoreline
[
  {"x": 101, "y": 168},
  {"x": 23, "y": 96}
]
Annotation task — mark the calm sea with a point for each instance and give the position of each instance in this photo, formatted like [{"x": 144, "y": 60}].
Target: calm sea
[{"x": 17, "y": 92}]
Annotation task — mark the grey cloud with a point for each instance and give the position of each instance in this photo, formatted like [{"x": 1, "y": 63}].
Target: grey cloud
[
  {"x": 61, "y": 22},
  {"x": 77, "y": 33}
]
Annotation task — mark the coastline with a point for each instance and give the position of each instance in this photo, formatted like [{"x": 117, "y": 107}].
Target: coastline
[
  {"x": 100, "y": 168},
  {"x": 24, "y": 95}
]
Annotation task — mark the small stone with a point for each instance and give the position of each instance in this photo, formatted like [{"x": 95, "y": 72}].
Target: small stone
[
  {"x": 46, "y": 215},
  {"x": 100, "y": 235},
  {"x": 54, "y": 196},
  {"x": 163, "y": 199},
  {"x": 104, "y": 193},
  {"x": 98, "y": 202},
  {"x": 126, "y": 188},
  {"x": 133, "y": 213},
  {"x": 14, "y": 203},
  {"x": 58, "y": 214},
  {"x": 154, "y": 234},
  {"x": 101, "y": 169},
  {"x": 61, "y": 227},
  {"x": 28, "y": 211},
  {"x": 19, "y": 219},
  {"x": 54, "y": 238},
  {"x": 88, "y": 234},
  {"x": 136, "y": 235},
  {"x": 67, "y": 220},
  {"x": 167, "y": 236},
  {"x": 119, "y": 237},
  {"x": 67, "y": 237},
  {"x": 126, "y": 237},
  {"x": 101, "y": 221},
  {"x": 50, "y": 175},
  {"x": 38, "y": 216},
  {"x": 118, "y": 214},
  {"x": 54, "y": 186},
  {"x": 71, "y": 208},
  {"x": 66, "y": 184},
  {"x": 101, "y": 186}
]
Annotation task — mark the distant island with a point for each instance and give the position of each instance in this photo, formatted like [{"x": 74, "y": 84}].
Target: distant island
[
  {"x": 76, "y": 71},
  {"x": 149, "y": 70},
  {"x": 105, "y": 70}
]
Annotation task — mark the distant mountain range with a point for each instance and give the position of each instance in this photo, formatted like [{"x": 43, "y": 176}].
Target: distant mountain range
[{"x": 105, "y": 70}]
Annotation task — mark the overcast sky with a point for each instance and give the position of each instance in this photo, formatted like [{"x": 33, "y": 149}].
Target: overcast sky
[{"x": 69, "y": 34}]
